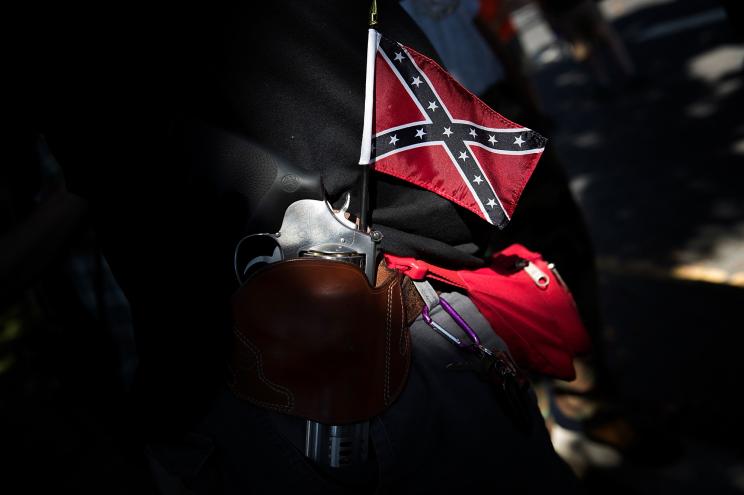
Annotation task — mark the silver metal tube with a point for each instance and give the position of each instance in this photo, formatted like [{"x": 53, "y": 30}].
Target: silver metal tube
[{"x": 337, "y": 446}]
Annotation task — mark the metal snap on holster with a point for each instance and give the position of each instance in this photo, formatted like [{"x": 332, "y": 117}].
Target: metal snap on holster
[{"x": 314, "y": 340}]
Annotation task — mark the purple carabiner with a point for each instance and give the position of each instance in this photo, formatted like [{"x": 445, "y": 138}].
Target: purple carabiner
[
  {"x": 439, "y": 328},
  {"x": 460, "y": 322}
]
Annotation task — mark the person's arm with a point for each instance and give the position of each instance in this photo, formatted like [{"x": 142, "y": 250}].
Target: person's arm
[{"x": 32, "y": 245}]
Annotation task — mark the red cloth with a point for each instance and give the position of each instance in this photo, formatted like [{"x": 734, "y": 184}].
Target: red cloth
[
  {"x": 494, "y": 11},
  {"x": 541, "y": 326}
]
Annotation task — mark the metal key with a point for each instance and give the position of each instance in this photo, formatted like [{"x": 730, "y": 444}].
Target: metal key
[{"x": 509, "y": 384}]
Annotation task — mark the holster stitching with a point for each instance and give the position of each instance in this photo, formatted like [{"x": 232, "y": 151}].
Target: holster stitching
[
  {"x": 388, "y": 330},
  {"x": 259, "y": 368},
  {"x": 402, "y": 341},
  {"x": 267, "y": 405}
]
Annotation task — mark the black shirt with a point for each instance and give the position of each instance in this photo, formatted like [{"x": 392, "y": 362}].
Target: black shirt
[{"x": 122, "y": 99}]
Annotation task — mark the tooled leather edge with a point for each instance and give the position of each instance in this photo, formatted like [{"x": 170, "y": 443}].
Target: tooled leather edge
[
  {"x": 404, "y": 341},
  {"x": 410, "y": 299},
  {"x": 388, "y": 330},
  {"x": 262, "y": 377}
]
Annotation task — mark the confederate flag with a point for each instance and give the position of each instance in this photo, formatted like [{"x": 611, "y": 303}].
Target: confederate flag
[{"x": 429, "y": 130}]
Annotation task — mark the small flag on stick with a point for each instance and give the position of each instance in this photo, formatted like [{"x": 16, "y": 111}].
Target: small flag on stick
[{"x": 423, "y": 127}]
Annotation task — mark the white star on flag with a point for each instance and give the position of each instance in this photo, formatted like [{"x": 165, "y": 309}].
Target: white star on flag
[
  {"x": 394, "y": 139},
  {"x": 463, "y": 156},
  {"x": 472, "y": 133},
  {"x": 478, "y": 179},
  {"x": 518, "y": 140},
  {"x": 420, "y": 133},
  {"x": 398, "y": 57},
  {"x": 492, "y": 139},
  {"x": 491, "y": 202},
  {"x": 448, "y": 131},
  {"x": 417, "y": 81},
  {"x": 432, "y": 106}
]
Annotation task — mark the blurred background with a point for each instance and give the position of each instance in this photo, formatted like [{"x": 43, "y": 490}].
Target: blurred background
[
  {"x": 649, "y": 127},
  {"x": 658, "y": 169}
]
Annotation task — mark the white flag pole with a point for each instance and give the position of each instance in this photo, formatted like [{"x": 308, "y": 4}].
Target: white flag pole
[
  {"x": 373, "y": 41},
  {"x": 365, "y": 156}
]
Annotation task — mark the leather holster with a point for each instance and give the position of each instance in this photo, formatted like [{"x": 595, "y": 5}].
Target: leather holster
[{"x": 313, "y": 339}]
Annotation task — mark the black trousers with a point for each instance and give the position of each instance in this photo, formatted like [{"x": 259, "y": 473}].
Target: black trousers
[{"x": 446, "y": 433}]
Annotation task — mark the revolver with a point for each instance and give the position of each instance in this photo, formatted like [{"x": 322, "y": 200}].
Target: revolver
[{"x": 293, "y": 218}]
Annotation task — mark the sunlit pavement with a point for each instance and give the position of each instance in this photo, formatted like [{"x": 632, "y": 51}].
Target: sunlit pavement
[{"x": 659, "y": 172}]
